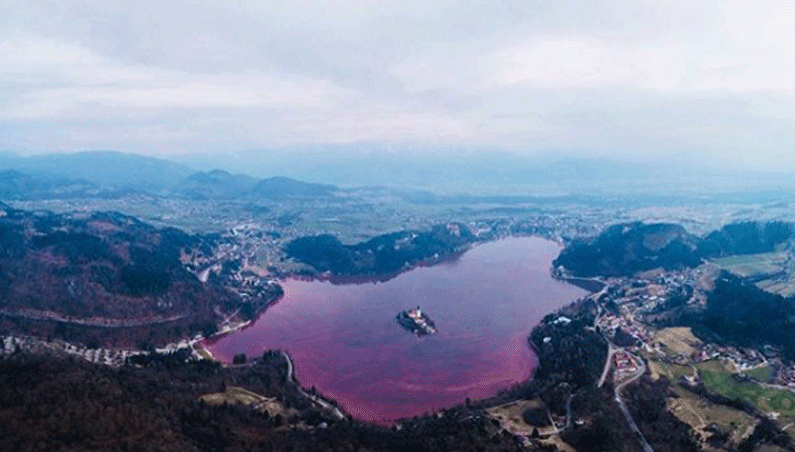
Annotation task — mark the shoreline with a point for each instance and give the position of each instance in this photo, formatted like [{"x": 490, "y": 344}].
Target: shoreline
[
  {"x": 202, "y": 342},
  {"x": 369, "y": 278},
  {"x": 525, "y": 343},
  {"x": 589, "y": 284}
]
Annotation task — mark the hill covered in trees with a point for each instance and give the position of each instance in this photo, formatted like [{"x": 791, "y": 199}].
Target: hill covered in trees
[
  {"x": 746, "y": 238},
  {"x": 743, "y": 314},
  {"x": 51, "y": 403},
  {"x": 383, "y": 254},
  {"x": 626, "y": 249},
  {"x": 63, "y": 273}
]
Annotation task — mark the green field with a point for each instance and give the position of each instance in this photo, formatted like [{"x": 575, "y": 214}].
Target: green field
[
  {"x": 783, "y": 287},
  {"x": 763, "y": 374},
  {"x": 700, "y": 413},
  {"x": 753, "y": 264},
  {"x": 775, "y": 265},
  {"x": 697, "y": 411},
  {"x": 719, "y": 379},
  {"x": 746, "y": 259},
  {"x": 672, "y": 371}
]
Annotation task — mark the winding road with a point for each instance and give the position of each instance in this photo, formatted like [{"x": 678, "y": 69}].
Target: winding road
[
  {"x": 611, "y": 350},
  {"x": 48, "y": 316},
  {"x": 632, "y": 425},
  {"x": 336, "y": 412}
]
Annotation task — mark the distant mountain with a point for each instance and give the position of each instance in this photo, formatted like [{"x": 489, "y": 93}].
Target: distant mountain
[
  {"x": 17, "y": 185},
  {"x": 460, "y": 170},
  {"x": 106, "y": 168},
  {"x": 285, "y": 188},
  {"x": 7, "y": 157},
  {"x": 626, "y": 249},
  {"x": 218, "y": 184},
  {"x": 215, "y": 184}
]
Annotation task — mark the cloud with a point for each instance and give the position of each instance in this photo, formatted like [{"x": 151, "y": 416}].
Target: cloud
[
  {"x": 621, "y": 77},
  {"x": 746, "y": 49},
  {"x": 59, "y": 79}
]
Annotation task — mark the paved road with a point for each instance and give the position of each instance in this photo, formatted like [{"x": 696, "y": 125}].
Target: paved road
[
  {"x": 632, "y": 425},
  {"x": 611, "y": 350},
  {"x": 336, "y": 412},
  {"x": 100, "y": 323}
]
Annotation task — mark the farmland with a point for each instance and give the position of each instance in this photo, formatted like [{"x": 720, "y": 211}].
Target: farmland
[
  {"x": 677, "y": 340},
  {"x": 774, "y": 272},
  {"x": 698, "y": 412},
  {"x": 777, "y": 403},
  {"x": 754, "y": 265}
]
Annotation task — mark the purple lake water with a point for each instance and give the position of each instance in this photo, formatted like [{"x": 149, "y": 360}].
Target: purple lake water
[{"x": 345, "y": 341}]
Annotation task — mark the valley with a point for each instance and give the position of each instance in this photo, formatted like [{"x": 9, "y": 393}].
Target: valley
[{"x": 313, "y": 275}]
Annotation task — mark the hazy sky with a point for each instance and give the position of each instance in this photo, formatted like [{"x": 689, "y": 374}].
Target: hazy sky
[{"x": 624, "y": 78}]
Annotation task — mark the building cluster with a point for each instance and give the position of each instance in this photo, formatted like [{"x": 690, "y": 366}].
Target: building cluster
[
  {"x": 625, "y": 366},
  {"x": 11, "y": 344},
  {"x": 609, "y": 324},
  {"x": 110, "y": 357},
  {"x": 420, "y": 320},
  {"x": 636, "y": 307}
]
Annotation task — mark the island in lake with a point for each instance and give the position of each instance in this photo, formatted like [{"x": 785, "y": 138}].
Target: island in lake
[
  {"x": 344, "y": 340},
  {"x": 416, "y": 321}
]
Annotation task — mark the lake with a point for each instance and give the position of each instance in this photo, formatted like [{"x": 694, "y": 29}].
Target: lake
[{"x": 345, "y": 341}]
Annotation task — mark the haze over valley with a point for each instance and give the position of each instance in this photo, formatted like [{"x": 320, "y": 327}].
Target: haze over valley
[{"x": 413, "y": 226}]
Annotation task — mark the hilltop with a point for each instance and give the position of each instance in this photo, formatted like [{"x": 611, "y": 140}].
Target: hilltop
[
  {"x": 219, "y": 184},
  {"x": 80, "y": 276},
  {"x": 105, "y": 168},
  {"x": 384, "y": 254},
  {"x": 629, "y": 248},
  {"x": 625, "y": 249}
]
